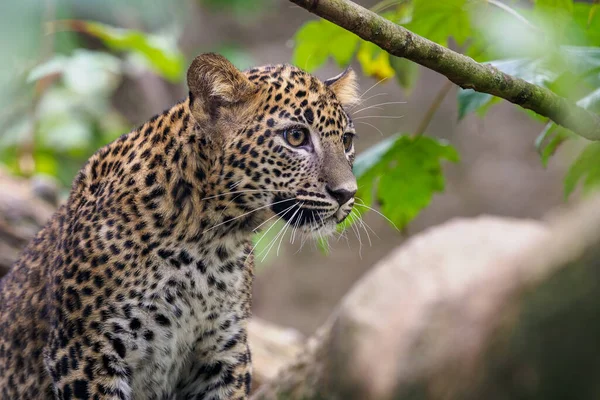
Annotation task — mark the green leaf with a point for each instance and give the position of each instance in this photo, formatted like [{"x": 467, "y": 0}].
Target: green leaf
[
  {"x": 161, "y": 55},
  {"x": 586, "y": 168},
  {"x": 556, "y": 13},
  {"x": 554, "y": 135},
  {"x": 407, "y": 72},
  {"x": 370, "y": 157},
  {"x": 470, "y": 101},
  {"x": 439, "y": 20},
  {"x": 555, "y": 5},
  {"x": 591, "y": 101},
  {"x": 585, "y": 27},
  {"x": 404, "y": 177},
  {"x": 364, "y": 162},
  {"x": 550, "y": 139},
  {"x": 316, "y": 41}
]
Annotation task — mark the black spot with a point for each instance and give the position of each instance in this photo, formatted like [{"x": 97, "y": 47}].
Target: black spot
[
  {"x": 135, "y": 324},
  {"x": 67, "y": 392},
  {"x": 162, "y": 320},
  {"x": 148, "y": 336},
  {"x": 248, "y": 382},
  {"x": 309, "y": 116},
  {"x": 231, "y": 343},
  {"x": 80, "y": 389},
  {"x": 163, "y": 253},
  {"x": 181, "y": 192},
  {"x": 222, "y": 253},
  {"x": 201, "y": 267},
  {"x": 119, "y": 347},
  {"x": 185, "y": 258}
]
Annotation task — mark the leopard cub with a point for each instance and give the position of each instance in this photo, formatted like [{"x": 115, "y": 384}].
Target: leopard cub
[{"x": 140, "y": 285}]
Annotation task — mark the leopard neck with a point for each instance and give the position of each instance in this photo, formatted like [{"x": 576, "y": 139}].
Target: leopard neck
[{"x": 167, "y": 177}]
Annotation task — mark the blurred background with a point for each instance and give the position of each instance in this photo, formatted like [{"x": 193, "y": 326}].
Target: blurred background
[{"x": 76, "y": 74}]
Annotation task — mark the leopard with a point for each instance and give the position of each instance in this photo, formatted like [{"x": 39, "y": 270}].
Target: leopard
[{"x": 140, "y": 285}]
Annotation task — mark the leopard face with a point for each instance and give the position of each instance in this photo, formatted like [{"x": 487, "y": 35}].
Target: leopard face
[{"x": 288, "y": 144}]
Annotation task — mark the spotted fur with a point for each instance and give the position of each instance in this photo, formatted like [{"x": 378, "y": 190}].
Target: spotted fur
[{"x": 140, "y": 285}]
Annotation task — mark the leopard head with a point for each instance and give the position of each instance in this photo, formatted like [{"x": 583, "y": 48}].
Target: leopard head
[{"x": 286, "y": 141}]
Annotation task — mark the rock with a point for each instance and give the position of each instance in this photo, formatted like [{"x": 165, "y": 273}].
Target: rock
[
  {"x": 488, "y": 308},
  {"x": 22, "y": 214},
  {"x": 272, "y": 348}
]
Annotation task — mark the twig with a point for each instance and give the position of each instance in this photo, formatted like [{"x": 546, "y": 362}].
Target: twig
[
  {"x": 458, "y": 68},
  {"x": 435, "y": 104},
  {"x": 514, "y": 13}
]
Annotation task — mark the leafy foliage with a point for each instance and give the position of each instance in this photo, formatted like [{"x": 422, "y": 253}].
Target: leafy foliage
[
  {"x": 440, "y": 20},
  {"x": 158, "y": 52},
  {"x": 71, "y": 115},
  {"x": 553, "y": 44},
  {"x": 402, "y": 173},
  {"x": 587, "y": 168},
  {"x": 316, "y": 41}
]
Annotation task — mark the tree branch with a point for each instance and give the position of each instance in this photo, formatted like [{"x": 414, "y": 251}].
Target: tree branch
[{"x": 460, "y": 69}]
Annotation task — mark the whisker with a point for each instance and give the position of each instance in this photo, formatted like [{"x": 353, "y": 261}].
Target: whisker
[
  {"x": 371, "y": 125},
  {"x": 378, "y": 106},
  {"x": 272, "y": 242},
  {"x": 228, "y": 204},
  {"x": 295, "y": 228},
  {"x": 357, "y": 234},
  {"x": 268, "y": 219},
  {"x": 368, "y": 108},
  {"x": 363, "y": 101},
  {"x": 324, "y": 239},
  {"x": 371, "y": 88},
  {"x": 243, "y": 191},
  {"x": 374, "y": 210},
  {"x": 287, "y": 225},
  {"x": 244, "y": 214},
  {"x": 368, "y": 98},
  {"x": 371, "y": 229},
  {"x": 233, "y": 186},
  {"x": 361, "y": 223},
  {"x": 271, "y": 227},
  {"x": 380, "y": 116}
]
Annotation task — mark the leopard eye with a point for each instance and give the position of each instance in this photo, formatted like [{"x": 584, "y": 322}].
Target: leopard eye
[
  {"x": 296, "y": 137},
  {"x": 348, "y": 139}
]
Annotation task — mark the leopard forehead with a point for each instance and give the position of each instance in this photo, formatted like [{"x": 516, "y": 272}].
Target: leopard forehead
[{"x": 291, "y": 94}]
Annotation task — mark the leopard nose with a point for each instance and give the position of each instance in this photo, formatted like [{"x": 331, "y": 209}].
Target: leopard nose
[{"x": 341, "y": 195}]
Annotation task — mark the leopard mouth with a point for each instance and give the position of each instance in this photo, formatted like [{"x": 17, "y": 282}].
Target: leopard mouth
[{"x": 296, "y": 213}]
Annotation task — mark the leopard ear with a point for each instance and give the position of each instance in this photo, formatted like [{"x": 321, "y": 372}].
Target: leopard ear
[
  {"x": 345, "y": 87},
  {"x": 215, "y": 83}
]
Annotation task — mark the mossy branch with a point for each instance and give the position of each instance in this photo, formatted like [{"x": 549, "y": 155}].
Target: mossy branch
[{"x": 458, "y": 68}]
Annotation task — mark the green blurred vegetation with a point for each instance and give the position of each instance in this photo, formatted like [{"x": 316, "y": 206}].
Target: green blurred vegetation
[{"x": 63, "y": 71}]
